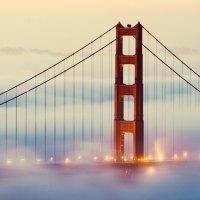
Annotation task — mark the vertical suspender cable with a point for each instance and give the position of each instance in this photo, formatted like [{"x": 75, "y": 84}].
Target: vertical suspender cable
[
  {"x": 35, "y": 120},
  {"x": 190, "y": 91},
  {"x": 92, "y": 99},
  {"x": 45, "y": 118},
  {"x": 145, "y": 100},
  {"x": 162, "y": 102},
  {"x": 55, "y": 115},
  {"x": 182, "y": 95},
  {"x": 64, "y": 115},
  {"x": 173, "y": 103},
  {"x": 190, "y": 107},
  {"x": 198, "y": 92},
  {"x": 74, "y": 109},
  {"x": 83, "y": 93},
  {"x": 26, "y": 120},
  {"x": 111, "y": 93},
  {"x": 6, "y": 125},
  {"x": 156, "y": 91},
  {"x": 172, "y": 120},
  {"x": 179, "y": 100},
  {"x": 165, "y": 98},
  {"x": 186, "y": 137},
  {"x": 147, "y": 118},
  {"x": 102, "y": 104},
  {"x": 16, "y": 134},
  {"x": 100, "y": 135}
]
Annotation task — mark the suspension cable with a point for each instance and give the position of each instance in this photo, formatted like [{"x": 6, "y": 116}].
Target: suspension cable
[
  {"x": 173, "y": 108},
  {"x": 35, "y": 121},
  {"x": 64, "y": 113},
  {"x": 26, "y": 121},
  {"x": 74, "y": 111},
  {"x": 171, "y": 69},
  {"x": 71, "y": 55},
  {"x": 83, "y": 103},
  {"x": 156, "y": 95},
  {"x": 6, "y": 132},
  {"x": 16, "y": 123},
  {"x": 165, "y": 116},
  {"x": 55, "y": 117},
  {"x": 147, "y": 119},
  {"x": 100, "y": 136},
  {"x": 111, "y": 93},
  {"x": 171, "y": 52},
  {"x": 45, "y": 119},
  {"x": 92, "y": 100},
  {"x": 58, "y": 74}
]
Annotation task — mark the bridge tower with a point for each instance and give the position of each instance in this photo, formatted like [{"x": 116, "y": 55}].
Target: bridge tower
[{"x": 122, "y": 126}]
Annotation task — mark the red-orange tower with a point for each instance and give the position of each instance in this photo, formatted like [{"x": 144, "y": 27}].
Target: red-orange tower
[{"x": 122, "y": 126}]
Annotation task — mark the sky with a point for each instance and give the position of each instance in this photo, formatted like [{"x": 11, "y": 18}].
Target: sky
[{"x": 47, "y": 28}]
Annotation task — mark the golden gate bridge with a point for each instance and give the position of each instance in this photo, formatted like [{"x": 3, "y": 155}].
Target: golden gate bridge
[{"x": 123, "y": 97}]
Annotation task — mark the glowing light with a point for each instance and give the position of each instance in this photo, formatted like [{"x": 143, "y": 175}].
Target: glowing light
[
  {"x": 149, "y": 157},
  {"x": 160, "y": 157},
  {"x": 67, "y": 160},
  {"x": 51, "y": 159},
  {"x": 151, "y": 171},
  {"x": 95, "y": 158},
  {"x": 125, "y": 159},
  {"x": 175, "y": 156},
  {"x": 185, "y": 154},
  {"x": 38, "y": 160},
  {"x": 108, "y": 158},
  {"x": 8, "y": 162},
  {"x": 22, "y": 160},
  {"x": 79, "y": 157},
  {"x": 131, "y": 157}
]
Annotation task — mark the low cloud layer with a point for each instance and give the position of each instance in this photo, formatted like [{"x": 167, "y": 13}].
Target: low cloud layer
[
  {"x": 186, "y": 51},
  {"x": 165, "y": 181},
  {"x": 21, "y": 51}
]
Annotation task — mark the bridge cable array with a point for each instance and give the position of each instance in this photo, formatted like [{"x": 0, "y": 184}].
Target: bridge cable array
[{"x": 101, "y": 91}]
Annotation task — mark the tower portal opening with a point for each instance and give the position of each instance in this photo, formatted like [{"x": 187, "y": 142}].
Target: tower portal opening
[{"x": 128, "y": 146}]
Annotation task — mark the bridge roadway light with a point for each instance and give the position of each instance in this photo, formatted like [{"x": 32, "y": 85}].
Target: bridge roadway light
[
  {"x": 151, "y": 171},
  {"x": 51, "y": 159},
  {"x": 175, "y": 156},
  {"x": 67, "y": 160},
  {"x": 185, "y": 154},
  {"x": 79, "y": 157},
  {"x": 8, "y": 162},
  {"x": 95, "y": 158}
]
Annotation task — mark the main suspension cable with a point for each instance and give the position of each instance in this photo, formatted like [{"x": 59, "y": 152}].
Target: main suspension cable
[
  {"x": 71, "y": 55},
  {"x": 188, "y": 83},
  {"x": 171, "y": 52}
]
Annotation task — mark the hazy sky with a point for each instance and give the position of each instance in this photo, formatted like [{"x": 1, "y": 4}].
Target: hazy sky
[{"x": 65, "y": 25}]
